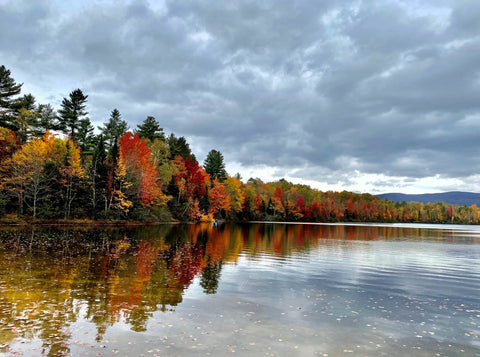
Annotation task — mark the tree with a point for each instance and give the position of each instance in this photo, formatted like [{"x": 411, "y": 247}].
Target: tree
[
  {"x": 8, "y": 90},
  {"x": 27, "y": 121},
  {"x": 197, "y": 180},
  {"x": 98, "y": 174},
  {"x": 194, "y": 213},
  {"x": 277, "y": 201},
  {"x": 161, "y": 160},
  {"x": 24, "y": 123},
  {"x": 46, "y": 117},
  {"x": 190, "y": 181},
  {"x": 259, "y": 206},
  {"x": 28, "y": 172},
  {"x": 136, "y": 156},
  {"x": 9, "y": 142},
  {"x": 27, "y": 102},
  {"x": 71, "y": 172},
  {"x": 72, "y": 111},
  {"x": 215, "y": 166},
  {"x": 85, "y": 137},
  {"x": 113, "y": 184},
  {"x": 179, "y": 146},
  {"x": 234, "y": 189},
  {"x": 150, "y": 129},
  {"x": 219, "y": 198},
  {"x": 114, "y": 128}
]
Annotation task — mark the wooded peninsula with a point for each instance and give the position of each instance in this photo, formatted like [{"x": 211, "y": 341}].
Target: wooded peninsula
[{"x": 53, "y": 166}]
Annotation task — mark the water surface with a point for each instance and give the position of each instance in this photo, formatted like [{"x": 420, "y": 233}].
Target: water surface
[{"x": 257, "y": 289}]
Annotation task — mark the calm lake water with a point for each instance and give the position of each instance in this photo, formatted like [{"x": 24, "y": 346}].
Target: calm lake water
[{"x": 253, "y": 289}]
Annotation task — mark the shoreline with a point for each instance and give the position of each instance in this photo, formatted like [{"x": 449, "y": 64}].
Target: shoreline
[
  {"x": 77, "y": 223},
  {"x": 87, "y": 223}
]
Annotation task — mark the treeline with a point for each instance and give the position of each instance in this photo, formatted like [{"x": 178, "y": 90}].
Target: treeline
[{"x": 142, "y": 174}]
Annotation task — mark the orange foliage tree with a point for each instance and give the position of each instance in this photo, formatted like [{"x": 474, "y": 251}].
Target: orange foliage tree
[
  {"x": 140, "y": 172},
  {"x": 219, "y": 198}
]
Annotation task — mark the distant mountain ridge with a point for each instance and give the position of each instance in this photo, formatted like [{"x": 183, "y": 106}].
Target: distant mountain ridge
[{"x": 453, "y": 197}]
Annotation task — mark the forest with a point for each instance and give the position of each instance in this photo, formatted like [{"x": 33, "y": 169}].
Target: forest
[{"x": 54, "y": 165}]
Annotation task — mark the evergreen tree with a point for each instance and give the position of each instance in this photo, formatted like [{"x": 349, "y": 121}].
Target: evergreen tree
[
  {"x": 26, "y": 102},
  {"x": 26, "y": 121},
  {"x": 8, "y": 90},
  {"x": 112, "y": 182},
  {"x": 150, "y": 129},
  {"x": 114, "y": 128},
  {"x": 85, "y": 137},
  {"x": 98, "y": 174},
  {"x": 46, "y": 117},
  {"x": 215, "y": 166},
  {"x": 179, "y": 146},
  {"x": 72, "y": 111}
]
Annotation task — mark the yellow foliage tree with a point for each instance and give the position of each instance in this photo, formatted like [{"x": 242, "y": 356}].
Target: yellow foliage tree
[
  {"x": 28, "y": 177},
  {"x": 234, "y": 189}
]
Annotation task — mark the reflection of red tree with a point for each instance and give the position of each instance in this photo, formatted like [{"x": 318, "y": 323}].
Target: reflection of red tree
[
  {"x": 208, "y": 244},
  {"x": 300, "y": 232},
  {"x": 146, "y": 256},
  {"x": 186, "y": 264},
  {"x": 277, "y": 239},
  {"x": 257, "y": 235},
  {"x": 126, "y": 292}
]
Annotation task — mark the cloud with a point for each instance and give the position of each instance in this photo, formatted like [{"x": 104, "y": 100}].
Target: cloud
[{"x": 321, "y": 89}]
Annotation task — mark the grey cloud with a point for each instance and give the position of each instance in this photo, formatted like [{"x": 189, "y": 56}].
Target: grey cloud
[{"x": 377, "y": 87}]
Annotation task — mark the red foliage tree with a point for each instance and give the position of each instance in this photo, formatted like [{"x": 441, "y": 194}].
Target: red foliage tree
[{"x": 136, "y": 157}]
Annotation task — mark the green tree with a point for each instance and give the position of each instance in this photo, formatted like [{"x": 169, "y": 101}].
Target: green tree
[
  {"x": 98, "y": 175},
  {"x": 8, "y": 90},
  {"x": 215, "y": 165},
  {"x": 24, "y": 122},
  {"x": 179, "y": 146},
  {"x": 26, "y": 102},
  {"x": 150, "y": 129},
  {"x": 46, "y": 117},
  {"x": 161, "y": 160},
  {"x": 72, "y": 111},
  {"x": 114, "y": 128},
  {"x": 27, "y": 121},
  {"x": 85, "y": 137}
]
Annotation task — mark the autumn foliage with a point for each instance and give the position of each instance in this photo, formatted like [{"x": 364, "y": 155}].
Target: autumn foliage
[
  {"x": 49, "y": 176},
  {"x": 136, "y": 158}
]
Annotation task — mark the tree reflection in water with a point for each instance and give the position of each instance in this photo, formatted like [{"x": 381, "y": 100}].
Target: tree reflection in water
[{"x": 52, "y": 278}]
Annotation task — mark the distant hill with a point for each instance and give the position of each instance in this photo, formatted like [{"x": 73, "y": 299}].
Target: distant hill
[{"x": 454, "y": 198}]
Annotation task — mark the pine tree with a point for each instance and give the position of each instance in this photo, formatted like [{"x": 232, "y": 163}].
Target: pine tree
[
  {"x": 114, "y": 128},
  {"x": 72, "y": 111},
  {"x": 215, "y": 165},
  {"x": 46, "y": 118},
  {"x": 85, "y": 137},
  {"x": 26, "y": 102},
  {"x": 150, "y": 129},
  {"x": 98, "y": 174},
  {"x": 26, "y": 121},
  {"x": 179, "y": 146},
  {"x": 8, "y": 90}
]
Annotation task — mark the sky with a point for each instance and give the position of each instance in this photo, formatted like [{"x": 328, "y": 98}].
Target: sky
[{"x": 365, "y": 96}]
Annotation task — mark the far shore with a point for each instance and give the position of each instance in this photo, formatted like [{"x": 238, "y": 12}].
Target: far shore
[
  {"x": 89, "y": 223},
  {"x": 17, "y": 222}
]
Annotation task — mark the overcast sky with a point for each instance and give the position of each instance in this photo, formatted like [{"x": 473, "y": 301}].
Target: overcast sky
[{"x": 367, "y": 96}]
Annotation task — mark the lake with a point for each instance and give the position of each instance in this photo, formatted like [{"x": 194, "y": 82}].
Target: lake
[{"x": 249, "y": 289}]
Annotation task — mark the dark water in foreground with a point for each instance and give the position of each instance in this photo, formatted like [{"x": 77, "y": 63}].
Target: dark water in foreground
[{"x": 259, "y": 289}]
